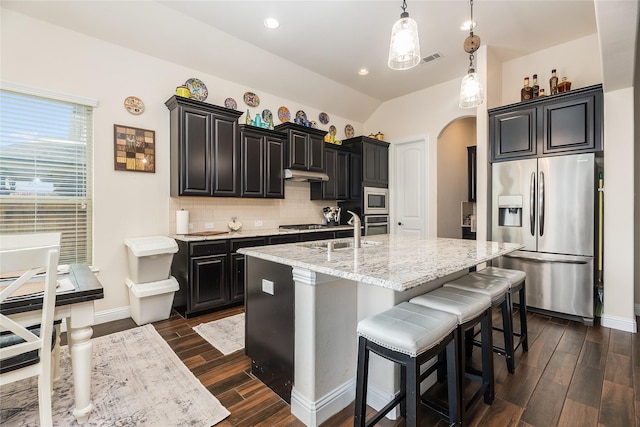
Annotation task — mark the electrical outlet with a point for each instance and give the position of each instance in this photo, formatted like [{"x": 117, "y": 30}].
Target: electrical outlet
[
  {"x": 267, "y": 286},
  {"x": 208, "y": 225},
  {"x": 258, "y": 223}
]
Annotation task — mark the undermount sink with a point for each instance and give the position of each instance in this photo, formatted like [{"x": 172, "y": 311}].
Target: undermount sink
[{"x": 324, "y": 244}]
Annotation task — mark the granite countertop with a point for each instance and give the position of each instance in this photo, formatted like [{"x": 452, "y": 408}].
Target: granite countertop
[
  {"x": 392, "y": 261},
  {"x": 255, "y": 233}
]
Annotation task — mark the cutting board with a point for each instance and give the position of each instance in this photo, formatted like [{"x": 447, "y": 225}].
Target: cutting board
[{"x": 207, "y": 233}]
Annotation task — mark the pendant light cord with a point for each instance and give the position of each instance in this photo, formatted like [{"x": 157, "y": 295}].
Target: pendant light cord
[
  {"x": 404, "y": 6},
  {"x": 471, "y": 23}
]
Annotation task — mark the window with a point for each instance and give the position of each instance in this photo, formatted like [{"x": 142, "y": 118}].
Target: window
[{"x": 46, "y": 169}]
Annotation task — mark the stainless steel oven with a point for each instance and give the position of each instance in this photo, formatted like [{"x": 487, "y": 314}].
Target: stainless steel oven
[
  {"x": 376, "y": 224},
  {"x": 376, "y": 201}
]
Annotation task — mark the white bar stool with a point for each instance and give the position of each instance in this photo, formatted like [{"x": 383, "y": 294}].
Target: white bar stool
[{"x": 408, "y": 335}]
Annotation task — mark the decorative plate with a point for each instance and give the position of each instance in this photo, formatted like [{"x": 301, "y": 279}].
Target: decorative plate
[
  {"x": 198, "y": 89},
  {"x": 284, "y": 114},
  {"x": 348, "y": 130},
  {"x": 332, "y": 130},
  {"x": 267, "y": 116},
  {"x": 231, "y": 103},
  {"x": 134, "y": 105},
  {"x": 251, "y": 99},
  {"x": 324, "y": 118}
]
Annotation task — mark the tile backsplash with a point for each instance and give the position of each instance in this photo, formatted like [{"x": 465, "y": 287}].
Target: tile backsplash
[{"x": 295, "y": 208}]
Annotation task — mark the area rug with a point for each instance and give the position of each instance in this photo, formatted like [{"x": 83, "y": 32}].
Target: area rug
[
  {"x": 137, "y": 380},
  {"x": 227, "y": 335}
]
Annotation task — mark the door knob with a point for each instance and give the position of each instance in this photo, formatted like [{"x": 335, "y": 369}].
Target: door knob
[{"x": 399, "y": 223}]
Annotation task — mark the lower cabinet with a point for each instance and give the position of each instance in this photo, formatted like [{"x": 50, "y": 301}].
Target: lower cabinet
[{"x": 211, "y": 273}]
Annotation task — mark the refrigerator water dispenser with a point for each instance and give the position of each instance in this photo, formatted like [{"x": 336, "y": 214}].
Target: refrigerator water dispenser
[{"x": 510, "y": 211}]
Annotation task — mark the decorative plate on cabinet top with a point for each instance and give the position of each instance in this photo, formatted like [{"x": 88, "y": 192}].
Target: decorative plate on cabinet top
[
  {"x": 332, "y": 130},
  {"x": 134, "y": 105},
  {"x": 267, "y": 116},
  {"x": 198, "y": 89},
  {"x": 284, "y": 114},
  {"x": 231, "y": 103},
  {"x": 324, "y": 118},
  {"x": 251, "y": 99},
  {"x": 348, "y": 130}
]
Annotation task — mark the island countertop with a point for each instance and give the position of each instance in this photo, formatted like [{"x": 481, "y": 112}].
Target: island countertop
[{"x": 391, "y": 261}]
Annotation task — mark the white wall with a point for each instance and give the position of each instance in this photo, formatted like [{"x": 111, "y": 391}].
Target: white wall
[{"x": 127, "y": 204}]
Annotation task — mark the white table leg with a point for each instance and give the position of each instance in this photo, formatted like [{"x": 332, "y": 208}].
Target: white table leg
[{"x": 80, "y": 349}]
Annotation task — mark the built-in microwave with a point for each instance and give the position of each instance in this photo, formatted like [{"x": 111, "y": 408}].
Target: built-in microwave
[
  {"x": 376, "y": 201},
  {"x": 376, "y": 224}
]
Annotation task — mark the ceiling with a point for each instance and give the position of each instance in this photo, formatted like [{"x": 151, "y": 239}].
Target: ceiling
[{"x": 315, "y": 55}]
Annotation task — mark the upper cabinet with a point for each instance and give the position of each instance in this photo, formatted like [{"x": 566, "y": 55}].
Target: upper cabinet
[
  {"x": 205, "y": 153},
  {"x": 337, "y": 166},
  {"x": 262, "y": 162},
  {"x": 374, "y": 155},
  {"x": 305, "y": 147},
  {"x": 565, "y": 123}
]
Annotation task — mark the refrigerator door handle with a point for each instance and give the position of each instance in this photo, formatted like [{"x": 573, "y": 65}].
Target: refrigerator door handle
[
  {"x": 546, "y": 260},
  {"x": 541, "y": 204},
  {"x": 532, "y": 203}
]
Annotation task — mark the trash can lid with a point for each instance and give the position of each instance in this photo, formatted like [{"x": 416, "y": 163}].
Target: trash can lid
[
  {"x": 148, "y": 289},
  {"x": 147, "y": 246}
]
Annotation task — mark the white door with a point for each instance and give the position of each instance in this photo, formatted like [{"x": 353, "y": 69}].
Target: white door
[{"x": 409, "y": 190}]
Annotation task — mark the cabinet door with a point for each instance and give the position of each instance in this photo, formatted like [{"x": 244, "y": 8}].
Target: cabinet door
[
  {"x": 237, "y": 277},
  {"x": 253, "y": 155},
  {"x": 274, "y": 168},
  {"x": 195, "y": 153},
  {"x": 208, "y": 288},
  {"x": 383, "y": 166},
  {"x": 316, "y": 153},
  {"x": 569, "y": 125},
  {"x": 329, "y": 187},
  {"x": 226, "y": 157},
  {"x": 298, "y": 150},
  {"x": 342, "y": 175},
  {"x": 369, "y": 164},
  {"x": 471, "y": 173},
  {"x": 513, "y": 134},
  {"x": 355, "y": 176}
]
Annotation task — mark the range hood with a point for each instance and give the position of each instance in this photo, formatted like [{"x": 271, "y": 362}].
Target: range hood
[{"x": 296, "y": 175}]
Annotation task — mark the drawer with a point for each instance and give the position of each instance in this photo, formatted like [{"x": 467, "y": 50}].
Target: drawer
[
  {"x": 245, "y": 243},
  {"x": 316, "y": 235},
  {"x": 286, "y": 238},
  {"x": 208, "y": 248}
]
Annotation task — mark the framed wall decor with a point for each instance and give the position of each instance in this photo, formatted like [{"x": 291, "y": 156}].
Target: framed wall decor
[{"x": 134, "y": 149}]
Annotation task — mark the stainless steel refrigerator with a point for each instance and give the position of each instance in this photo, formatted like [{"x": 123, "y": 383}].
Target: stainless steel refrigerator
[{"x": 548, "y": 205}]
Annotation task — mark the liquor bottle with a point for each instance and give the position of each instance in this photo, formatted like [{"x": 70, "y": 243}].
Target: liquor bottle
[
  {"x": 553, "y": 83},
  {"x": 536, "y": 88},
  {"x": 526, "y": 92},
  {"x": 247, "y": 119}
]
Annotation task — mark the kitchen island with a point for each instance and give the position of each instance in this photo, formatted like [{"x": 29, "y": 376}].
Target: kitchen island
[{"x": 304, "y": 300}]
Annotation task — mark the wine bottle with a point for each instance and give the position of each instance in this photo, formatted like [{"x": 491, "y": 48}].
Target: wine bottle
[
  {"x": 526, "y": 92},
  {"x": 553, "y": 83},
  {"x": 536, "y": 88}
]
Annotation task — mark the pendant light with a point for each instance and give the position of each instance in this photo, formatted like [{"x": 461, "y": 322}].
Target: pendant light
[
  {"x": 471, "y": 91},
  {"x": 404, "y": 49}
]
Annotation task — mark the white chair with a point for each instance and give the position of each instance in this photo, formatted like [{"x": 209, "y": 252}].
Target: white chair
[{"x": 26, "y": 351}]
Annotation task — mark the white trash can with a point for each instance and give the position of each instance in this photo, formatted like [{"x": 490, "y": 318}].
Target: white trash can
[
  {"x": 150, "y": 258},
  {"x": 151, "y": 302}
]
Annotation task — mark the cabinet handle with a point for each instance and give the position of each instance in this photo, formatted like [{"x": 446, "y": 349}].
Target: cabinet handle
[{"x": 399, "y": 223}]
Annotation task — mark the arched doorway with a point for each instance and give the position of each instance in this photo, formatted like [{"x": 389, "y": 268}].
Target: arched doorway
[{"x": 452, "y": 177}]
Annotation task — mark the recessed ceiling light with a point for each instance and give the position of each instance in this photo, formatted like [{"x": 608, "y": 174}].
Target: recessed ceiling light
[
  {"x": 467, "y": 26},
  {"x": 363, "y": 71},
  {"x": 271, "y": 23}
]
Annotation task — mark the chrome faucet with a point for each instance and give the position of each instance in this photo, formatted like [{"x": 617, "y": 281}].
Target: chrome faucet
[{"x": 355, "y": 220}]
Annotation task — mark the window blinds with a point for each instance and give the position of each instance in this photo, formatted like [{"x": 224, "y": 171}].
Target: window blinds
[{"x": 46, "y": 170}]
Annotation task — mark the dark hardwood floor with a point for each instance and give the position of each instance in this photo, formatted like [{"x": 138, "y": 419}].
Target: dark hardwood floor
[{"x": 573, "y": 375}]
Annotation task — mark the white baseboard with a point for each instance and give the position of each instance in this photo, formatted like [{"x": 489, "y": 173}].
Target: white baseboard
[
  {"x": 106, "y": 316},
  {"x": 620, "y": 323},
  {"x": 313, "y": 414}
]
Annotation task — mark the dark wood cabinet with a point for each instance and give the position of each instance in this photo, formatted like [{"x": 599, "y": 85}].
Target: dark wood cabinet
[
  {"x": 560, "y": 124},
  {"x": 374, "y": 171},
  {"x": 304, "y": 147},
  {"x": 237, "y": 266},
  {"x": 262, "y": 161},
  {"x": 337, "y": 166},
  {"x": 205, "y": 154}
]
